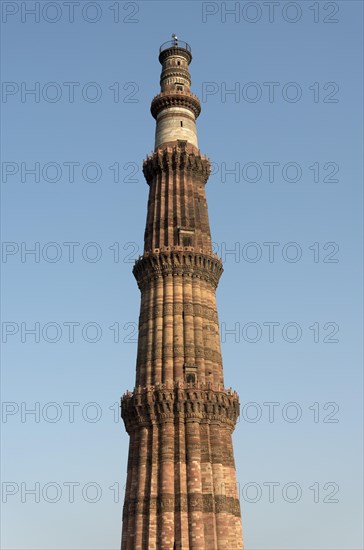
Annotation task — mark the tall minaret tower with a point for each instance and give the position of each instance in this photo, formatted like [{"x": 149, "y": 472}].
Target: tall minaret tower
[{"x": 181, "y": 489}]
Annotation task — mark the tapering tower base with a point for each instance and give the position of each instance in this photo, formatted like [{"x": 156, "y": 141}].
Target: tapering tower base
[{"x": 181, "y": 492}]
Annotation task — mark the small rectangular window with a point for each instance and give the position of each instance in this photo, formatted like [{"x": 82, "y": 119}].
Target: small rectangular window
[
  {"x": 186, "y": 237},
  {"x": 181, "y": 124},
  {"x": 190, "y": 372}
]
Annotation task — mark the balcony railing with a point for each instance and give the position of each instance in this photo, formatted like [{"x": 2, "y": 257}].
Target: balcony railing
[{"x": 175, "y": 44}]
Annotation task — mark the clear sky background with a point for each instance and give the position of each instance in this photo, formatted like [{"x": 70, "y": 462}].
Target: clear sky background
[{"x": 298, "y": 445}]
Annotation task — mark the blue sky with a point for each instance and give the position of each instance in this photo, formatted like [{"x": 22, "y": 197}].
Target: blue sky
[{"x": 290, "y": 214}]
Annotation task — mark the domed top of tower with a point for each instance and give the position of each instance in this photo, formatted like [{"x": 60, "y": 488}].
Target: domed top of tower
[{"x": 175, "y": 47}]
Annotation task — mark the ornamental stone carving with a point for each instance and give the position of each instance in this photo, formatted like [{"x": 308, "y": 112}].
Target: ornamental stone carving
[
  {"x": 155, "y": 404},
  {"x": 152, "y": 266}
]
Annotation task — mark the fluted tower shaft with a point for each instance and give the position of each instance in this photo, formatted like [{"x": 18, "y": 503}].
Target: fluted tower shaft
[{"x": 181, "y": 489}]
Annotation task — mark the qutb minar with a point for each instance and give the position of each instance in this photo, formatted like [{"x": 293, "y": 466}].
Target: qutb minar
[{"x": 181, "y": 491}]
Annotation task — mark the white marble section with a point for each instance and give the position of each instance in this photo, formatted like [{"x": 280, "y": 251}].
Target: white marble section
[{"x": 169, "y": 128}]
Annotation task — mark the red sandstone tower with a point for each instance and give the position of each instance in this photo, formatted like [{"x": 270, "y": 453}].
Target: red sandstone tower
[{"x": 181, "y": 489}]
